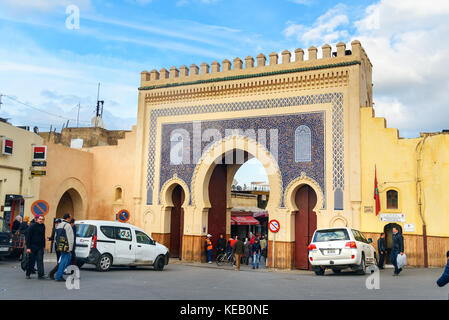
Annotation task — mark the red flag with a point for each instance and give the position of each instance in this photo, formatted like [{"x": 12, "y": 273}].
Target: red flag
[{"x": 376, "y": 192}]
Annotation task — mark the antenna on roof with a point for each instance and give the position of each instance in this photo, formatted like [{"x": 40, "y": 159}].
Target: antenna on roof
[{"x": 97, "y": 121}]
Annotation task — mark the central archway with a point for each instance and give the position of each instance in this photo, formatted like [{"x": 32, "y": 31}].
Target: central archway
[{"x": 212, "y": 180}]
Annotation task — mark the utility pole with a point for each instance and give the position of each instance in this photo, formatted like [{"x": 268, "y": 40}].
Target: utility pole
[{"x": 78, "y": 116}]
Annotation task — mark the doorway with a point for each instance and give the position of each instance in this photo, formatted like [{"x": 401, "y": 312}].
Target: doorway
[
  {"x": 388, "y": 230},
  {"x": 177, "y": 222},
  {"x": 305, "y": 225}
]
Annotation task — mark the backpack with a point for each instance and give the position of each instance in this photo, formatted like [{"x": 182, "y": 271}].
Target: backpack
[{"x": 62, "y": 243}]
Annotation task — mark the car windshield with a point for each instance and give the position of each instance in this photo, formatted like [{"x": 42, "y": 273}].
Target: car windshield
[
  {"x": 331, "y": 235},
  {"x": 85, "y": 230}
]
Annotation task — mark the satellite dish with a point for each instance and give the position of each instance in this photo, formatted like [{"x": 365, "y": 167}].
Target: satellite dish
[{"x": 36, "y": 130}]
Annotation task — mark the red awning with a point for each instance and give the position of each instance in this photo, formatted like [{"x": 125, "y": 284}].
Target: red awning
[{"x": 244, "y": 221}]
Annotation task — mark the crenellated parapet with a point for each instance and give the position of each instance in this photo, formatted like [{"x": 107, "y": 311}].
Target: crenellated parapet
[{"x": 284, "y": 71}]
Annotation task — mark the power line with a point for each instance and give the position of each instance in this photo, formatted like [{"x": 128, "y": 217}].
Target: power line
[{"x": 38, "y": 109}]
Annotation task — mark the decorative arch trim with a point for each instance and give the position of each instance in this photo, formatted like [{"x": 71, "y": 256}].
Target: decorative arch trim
[
  {"x": 167, "y": 189},
  {"x": 290, "y": 191},
  {"x": 206, "y": 164}
]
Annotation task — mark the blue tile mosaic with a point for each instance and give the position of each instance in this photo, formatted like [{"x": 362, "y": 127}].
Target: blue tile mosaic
[{"x": 336, "y": 99}]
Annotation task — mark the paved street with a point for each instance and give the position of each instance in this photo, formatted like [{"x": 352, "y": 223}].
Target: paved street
[{"x": 202, "y": 281}]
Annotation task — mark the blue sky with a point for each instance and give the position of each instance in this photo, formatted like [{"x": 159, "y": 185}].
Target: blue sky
[{"x": 47, "y": 66}]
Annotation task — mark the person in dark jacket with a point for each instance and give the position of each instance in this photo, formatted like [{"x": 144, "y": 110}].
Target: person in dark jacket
[
  {"x": 16, "y": 224},
  {"x": 52, "y": 273},
  {"x": 73, "y": 261},
  {"x": 397, "y": 248},
  {"x": 256, "y": 250},
  {"x": 221, "y": 245},
  {"x": 444, "y": 279},
  {"x": 382, "y": 249},
  {"x": 237, "y": 250},
  {"x": 35, "y": 242}
]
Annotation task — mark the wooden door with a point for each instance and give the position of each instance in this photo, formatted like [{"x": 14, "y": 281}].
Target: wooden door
[
  {"x": 177, "y": 222},
  {"x": 305, "y": 225},
  {"x": 216, "y": 220}
]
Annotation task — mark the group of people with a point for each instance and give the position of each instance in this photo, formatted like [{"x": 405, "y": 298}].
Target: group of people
[
  {"x": 397, "y": 248},
  {"x": 252, "y": 248},
  {"x": 64, "y": 238}
]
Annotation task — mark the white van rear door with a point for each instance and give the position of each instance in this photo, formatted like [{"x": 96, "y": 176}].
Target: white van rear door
[{"x": 84, "y": 234}]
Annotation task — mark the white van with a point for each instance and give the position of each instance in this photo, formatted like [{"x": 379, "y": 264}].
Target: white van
[{"x": 112, "y": 243}]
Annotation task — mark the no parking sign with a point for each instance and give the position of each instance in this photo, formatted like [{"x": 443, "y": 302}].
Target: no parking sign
[
  {"x": 122, "y": 215},
  {"x": 274, "y": 226},
  {"x": 40, "y": 207}
]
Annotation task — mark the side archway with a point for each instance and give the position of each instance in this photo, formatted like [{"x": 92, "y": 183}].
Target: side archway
[{"x": 70, "y": 197}]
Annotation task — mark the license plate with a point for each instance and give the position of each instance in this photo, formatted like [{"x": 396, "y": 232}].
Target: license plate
[
  {"x": 4, "y": 249},
  {"x": 329, "y": 252}
]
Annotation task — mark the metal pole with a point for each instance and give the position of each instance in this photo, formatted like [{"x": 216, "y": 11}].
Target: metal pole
[{"x": 274, "y": 244}]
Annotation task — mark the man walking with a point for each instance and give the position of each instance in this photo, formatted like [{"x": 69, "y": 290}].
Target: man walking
[
  {"x": 444, "y": 279},
  {"x": 256, "y": 253},
  {"x": 35, "y": 242},
  {"x": 397, "y": 248},
  {"x": 52, "y": 273},
  {"x": 64, "y": 244},
  {"x": 237, "y": 250},
  {"x": 209, "y": 248},
  {"x": 382, "y": 249}
]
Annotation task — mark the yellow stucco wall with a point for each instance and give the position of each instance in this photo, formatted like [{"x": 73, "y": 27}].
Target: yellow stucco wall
[
  {"x": 396, "y": 160},
  {"x": 15, "y": 173}
]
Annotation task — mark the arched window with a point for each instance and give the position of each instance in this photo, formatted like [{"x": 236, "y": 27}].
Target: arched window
[
  {"x": 303, "y": 144},
  {"x": 392, "y": 199},
  {"x": 118, "y": 194}
]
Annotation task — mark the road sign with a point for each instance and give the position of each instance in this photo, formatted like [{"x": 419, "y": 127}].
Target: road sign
[
  {"x": 39, "y": 163},
  {"x": 38, "y": 173},
  {"x": 274, "y": 226},
  {"x": 122, "y": 215},
  {"x": 40, "y": 207}
]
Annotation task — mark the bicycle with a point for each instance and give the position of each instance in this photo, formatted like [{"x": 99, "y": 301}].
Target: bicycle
[{"x": 224, "y": 258}]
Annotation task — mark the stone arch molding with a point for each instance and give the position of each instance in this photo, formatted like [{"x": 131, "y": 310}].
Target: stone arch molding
[
  {"x": 167, "y": 189},
  {"x": 66, "y": 185},
  {"x": 206, "y": 165},
  {"x": 290, "y": 192}
]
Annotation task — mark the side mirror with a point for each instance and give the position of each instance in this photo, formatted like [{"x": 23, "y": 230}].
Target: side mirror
[
  {"x": 370, "y": 240},
  {"x": 153, "y": 242}
]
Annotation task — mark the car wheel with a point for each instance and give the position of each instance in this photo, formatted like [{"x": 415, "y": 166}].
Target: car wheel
[
  {"x": 362, "y": 267},
  {"x": 104, "y": 263},
  {"x": 159, "y": 263},
  {"x": 336, "y": 270},
  {"x": 320, "y": 272}
]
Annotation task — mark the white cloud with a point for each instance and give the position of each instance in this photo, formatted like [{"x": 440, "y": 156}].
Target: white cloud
[
  {"x": 326, "y": 28},
  {"x": 25, "y": 6},
  {"x": 405, "y": 41}
]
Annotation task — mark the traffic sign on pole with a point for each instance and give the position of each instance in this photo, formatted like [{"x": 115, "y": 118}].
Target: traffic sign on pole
[
  {"x": 274, "y": 226},
  {"x": 122, "y": 215},
  {"x": 40, "y": 207}
]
